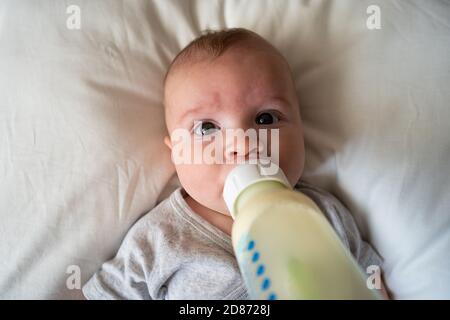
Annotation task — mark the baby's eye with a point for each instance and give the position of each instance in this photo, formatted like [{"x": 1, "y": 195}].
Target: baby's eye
[
  {"x": 266, "y": 118},
  {"x": 204, "y": 128}
]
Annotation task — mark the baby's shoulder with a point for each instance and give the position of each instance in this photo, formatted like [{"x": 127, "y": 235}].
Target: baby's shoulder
[
  {"x": 155, "y": 223},
  {"x": 320, "y": 196}
]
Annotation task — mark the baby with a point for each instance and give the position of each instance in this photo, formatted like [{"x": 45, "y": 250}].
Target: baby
[{"x": 229, "y": 79}]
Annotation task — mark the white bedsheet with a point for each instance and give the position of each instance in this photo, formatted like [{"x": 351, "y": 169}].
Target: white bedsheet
[{"x": 81, "y": 126}]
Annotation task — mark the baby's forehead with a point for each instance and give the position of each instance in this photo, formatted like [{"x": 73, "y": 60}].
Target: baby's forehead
[
  {"x": 208, "y": 82},
  {"x": 204, "y": 89},
  {"x": 239, "y": 64},
  {"x": 226, "y": 81},
  {"x": 248, "y": 46}
]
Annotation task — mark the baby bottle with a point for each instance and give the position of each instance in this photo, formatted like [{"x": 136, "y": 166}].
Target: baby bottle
[{"x": 284, "y": 245}]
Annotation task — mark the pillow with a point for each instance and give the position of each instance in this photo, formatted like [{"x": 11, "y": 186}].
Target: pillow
[
  {"x": 82, "y": 126},
  {"x": 81, "y": 130}
]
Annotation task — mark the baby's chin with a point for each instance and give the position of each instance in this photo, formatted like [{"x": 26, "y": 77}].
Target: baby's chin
[
  {"x": 222, "y": 208},
  {"x": 218, "y": 205},
  {"x": 225, "y": 213}
]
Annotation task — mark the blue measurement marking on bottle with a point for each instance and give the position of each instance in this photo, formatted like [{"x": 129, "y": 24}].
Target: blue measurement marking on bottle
[
  {"x": 251, "y": 245},
  {"x": 250, "y": 259},
  {"x": 260, "y": 270},
  {"x": 272, "y": 296},
  {"x": 265, "y": 284},
  {"x": 255, "y": 256}
]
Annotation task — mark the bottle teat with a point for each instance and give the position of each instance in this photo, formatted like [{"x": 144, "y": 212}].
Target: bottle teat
[{"x": 244, "y": 175}]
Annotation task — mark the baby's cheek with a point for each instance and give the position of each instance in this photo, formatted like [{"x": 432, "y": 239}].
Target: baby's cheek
[
  {"x": 292, "y": 157},
  {"x": 188, "y": 175},
  {"x": 201, "y": 181}
]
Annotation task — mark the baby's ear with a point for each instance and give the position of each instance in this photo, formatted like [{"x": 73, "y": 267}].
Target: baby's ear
[{"x": 167, "y": 142}]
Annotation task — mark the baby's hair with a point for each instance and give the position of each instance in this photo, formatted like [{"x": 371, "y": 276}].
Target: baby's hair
[{"x": 211, "y": 44}]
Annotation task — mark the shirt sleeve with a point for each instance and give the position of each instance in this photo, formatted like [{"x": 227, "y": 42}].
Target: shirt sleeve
[
  {"x": 124, "y": 276},
  {"x": 344, "y": 224}
]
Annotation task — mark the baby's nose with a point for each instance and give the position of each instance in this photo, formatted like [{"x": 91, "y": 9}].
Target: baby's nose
[{"x": 240, "y": 149}]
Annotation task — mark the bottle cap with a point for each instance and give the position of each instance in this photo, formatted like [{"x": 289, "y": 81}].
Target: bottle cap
[{"x": 244, "y": 175}]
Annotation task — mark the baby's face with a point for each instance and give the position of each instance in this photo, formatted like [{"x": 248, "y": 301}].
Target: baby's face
[{"x": 245, "y": 88}]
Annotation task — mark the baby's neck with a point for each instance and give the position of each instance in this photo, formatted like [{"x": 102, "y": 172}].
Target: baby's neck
[{"x": 217, "y": 219}]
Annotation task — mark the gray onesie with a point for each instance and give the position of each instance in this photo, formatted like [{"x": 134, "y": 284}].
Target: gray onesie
[{"x": 172, "y": 253}]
